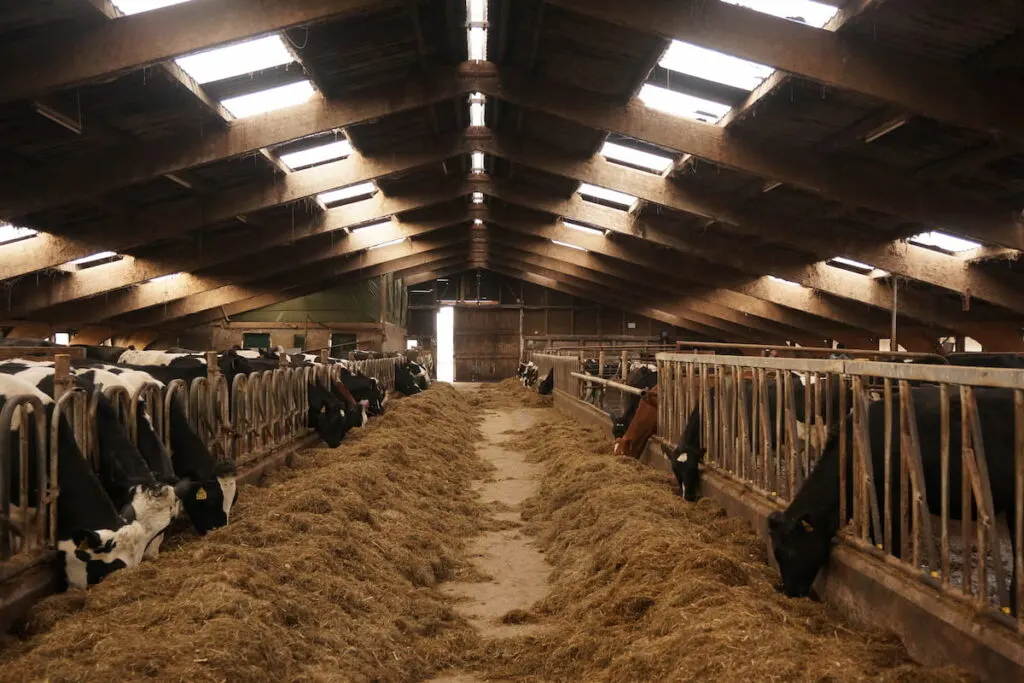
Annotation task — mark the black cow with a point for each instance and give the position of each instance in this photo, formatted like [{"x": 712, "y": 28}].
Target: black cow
[
  {"x": 329, "y": 416},
  {"x": 802, "y": 535},
  {"x": 547, "y": 385},
  {"x": 641, "y": 376},
  {"x": 1014, "y": 361}
]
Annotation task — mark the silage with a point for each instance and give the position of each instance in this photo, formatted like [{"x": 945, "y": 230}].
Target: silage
[
  {"x": 326, "y": 574},
  {"x": 510, "y": 394},
  {"x": 649, "y": 588}
]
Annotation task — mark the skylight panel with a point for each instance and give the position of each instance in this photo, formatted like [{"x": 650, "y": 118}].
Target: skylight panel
[
  {"x": 804, "y": 11},
  {"x": 681, "y": 104},
  {"x": 236, "y": 59},
  {"x": 164, "y": 278},
  {"x": 785, "y": 282},
  {"x": 582, "y": 228},
  {"x": 477, "y": 37},
  {"x": 604, "y": 194},
  {"x": 477, "y": 111},
  {"x": 10, "y": 233},
  {"x": 478, "y": 162},
  {"x": 478, "y": 197},
  {"x": 346, "y": 193},
  {"x": 268, "y": 100},
  {"x": 317, "y": 155},
  {"x": 850, "y": 263},
  {"x": 944, "y": 242},
  {"x": 371, "y": 226},
  {"x": 62, "y": 338},
  {"x": 85, "y": 260},
  {"x": 129, "y": 7},
  {"x": 389, "y": 243},
  {"x": 566, "y": 244},
  {"x": 635, "y": 157},
  {"x": 714, "y": 66}
]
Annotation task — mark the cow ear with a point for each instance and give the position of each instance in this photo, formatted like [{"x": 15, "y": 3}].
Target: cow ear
[
  {"x": 805, "y": 524},
  {"x": 776, "y": 521},
  {"x": 86, "y": 539}
]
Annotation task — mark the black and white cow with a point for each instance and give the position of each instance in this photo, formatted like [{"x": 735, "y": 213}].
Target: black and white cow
[
  {"x": 527, "y": 374},
  {"x": 802, "y": 535},
  {"x": 93, "y": 540},
  {"x": 408, "y": 377},
  {"x": 207, "y": 486},
  {"x": 641, "y": 376}
]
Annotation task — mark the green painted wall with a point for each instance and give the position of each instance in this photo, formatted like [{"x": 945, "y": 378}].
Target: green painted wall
[{"x": 355, "y": 303}]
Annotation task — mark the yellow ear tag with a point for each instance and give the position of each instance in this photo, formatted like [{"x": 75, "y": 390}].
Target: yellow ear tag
[
  {"x": 201, "y": 493},
  {"x": 934, "y": 575},
  {"x": 806, "y": 525},
  {"x": 1004, "y": 610}
]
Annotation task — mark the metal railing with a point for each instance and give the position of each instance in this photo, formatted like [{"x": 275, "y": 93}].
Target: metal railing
[
  {"x": 775, "y": 450},
  {"x": 262, "y": 412}
]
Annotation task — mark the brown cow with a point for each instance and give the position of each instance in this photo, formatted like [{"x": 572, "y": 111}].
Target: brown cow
[{"x": 642, "y": 428}]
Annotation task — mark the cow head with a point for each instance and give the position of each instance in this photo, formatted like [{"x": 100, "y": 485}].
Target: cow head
[
  {"x": 801, "y": 548},
  {"x": 685, "y": 461},
  {"x": 208, "y": 503},
  {"x": 378, "y": 397},
  {"x": 619, "y": 427},
  {"x": 232, "y": 364}
]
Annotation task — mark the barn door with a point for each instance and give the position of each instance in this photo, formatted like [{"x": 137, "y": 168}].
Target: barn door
[{"x": 486, "y": 344}]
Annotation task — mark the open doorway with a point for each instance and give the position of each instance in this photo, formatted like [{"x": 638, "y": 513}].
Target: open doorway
[{"x": 446, "y": 344}]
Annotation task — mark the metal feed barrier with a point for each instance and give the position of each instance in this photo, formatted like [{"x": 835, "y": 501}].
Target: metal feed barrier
[
  {"x": 266, "y": 412},
  {"x": 738, "y": 432}
]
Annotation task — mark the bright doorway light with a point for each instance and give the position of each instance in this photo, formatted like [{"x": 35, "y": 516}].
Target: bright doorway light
[
  {"x": 62, "y": 338},
  {"x": 446, "y": 344},
  {"x": 411, "y": 344}
]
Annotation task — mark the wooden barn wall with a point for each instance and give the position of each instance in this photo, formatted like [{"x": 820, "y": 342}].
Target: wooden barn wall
[{"x": 487, "y": 316}]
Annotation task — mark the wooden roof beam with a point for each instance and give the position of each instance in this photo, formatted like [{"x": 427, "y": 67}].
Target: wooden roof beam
[
  {"x": 395, "y": 257},
  {"x": 759, "y": 314},
  {"x": 694, "y": 303},
  {"x": 60, "y": 183},
  {"x": 258, "y": 267},
  {"x": 601, "y": 296},
  {"x": 902, "y": 258},
  {"x": 727, "y": 252},
  {"x": 160, "y": 35},
  {"x": 49, "y": 250},
  {"x": 29, "y": 296},
  {"x": 944, "y": 92},
  {"x": 859, "y": 184}
]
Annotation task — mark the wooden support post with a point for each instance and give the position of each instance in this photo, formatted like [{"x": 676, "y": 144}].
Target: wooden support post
[
  {"x": 212, "y": 369},
  {"x": 325, "y": 355},
  {"x": 63, "y": 381},
  {"x": 624, "y": 366}
]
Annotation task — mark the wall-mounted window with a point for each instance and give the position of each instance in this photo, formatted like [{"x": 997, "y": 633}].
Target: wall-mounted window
[{"x": 255, "y": 340}]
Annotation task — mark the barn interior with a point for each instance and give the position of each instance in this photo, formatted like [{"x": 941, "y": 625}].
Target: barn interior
[{"x": 490, "y": 179}]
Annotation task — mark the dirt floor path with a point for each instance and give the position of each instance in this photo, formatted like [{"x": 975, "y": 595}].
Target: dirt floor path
[{"x": 517, "y": 569}]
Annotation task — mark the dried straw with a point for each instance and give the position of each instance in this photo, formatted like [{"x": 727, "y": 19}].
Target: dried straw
[
  {"x": 649, "y": 588},
  {"x": 326, "y": 574}
]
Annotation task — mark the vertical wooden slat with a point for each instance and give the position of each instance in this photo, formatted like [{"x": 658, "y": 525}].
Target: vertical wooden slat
[
  {"x": 944, "y": 435},
  {"x": 965, "y": 497},
  {"x": 887, "y": 390},
  {"x": 843, "y": 517},
  {"x": 1018, "y": 454}
]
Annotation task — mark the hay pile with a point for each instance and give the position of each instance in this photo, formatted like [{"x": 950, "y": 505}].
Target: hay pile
[
  {"x": 509, "y": 394},
  {"x": 648, "y": 588},
  {"x": 327, "y": 574}
]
